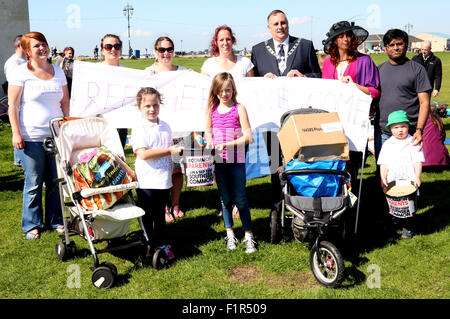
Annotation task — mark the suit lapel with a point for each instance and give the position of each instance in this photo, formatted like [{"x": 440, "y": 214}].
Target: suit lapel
[
  {"x": 291, "y": 57},
  {"x": 273, "y": 59}
]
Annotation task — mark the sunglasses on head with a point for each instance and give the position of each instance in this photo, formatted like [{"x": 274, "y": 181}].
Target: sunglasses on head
[
  {"x": 162, "y": 50},
  {"x": 108, "y": 47}
]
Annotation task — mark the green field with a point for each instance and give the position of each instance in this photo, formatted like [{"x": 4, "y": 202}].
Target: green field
[{"x": 408, "y": 269}]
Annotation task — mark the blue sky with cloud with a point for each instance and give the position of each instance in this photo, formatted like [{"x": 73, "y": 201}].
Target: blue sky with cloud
[{"x": 191, "y": 24}]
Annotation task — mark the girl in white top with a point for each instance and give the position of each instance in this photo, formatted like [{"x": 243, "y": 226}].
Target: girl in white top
[
  {"x": 153, "y": 146},
  {"x": 224, "y": 60},
  {"x": 37, "y": 93}
]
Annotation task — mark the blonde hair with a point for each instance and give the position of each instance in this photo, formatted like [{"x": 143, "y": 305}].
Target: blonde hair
[
  {"x": 147, "y": 91},
  {"x": 219, "y": 82}
]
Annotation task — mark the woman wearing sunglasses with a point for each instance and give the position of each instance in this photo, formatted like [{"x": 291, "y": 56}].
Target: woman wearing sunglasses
[
  {"x": 111, "y": 49},
  {"x": 164, "y": 52},
  {"x": 223, "y": 59}
]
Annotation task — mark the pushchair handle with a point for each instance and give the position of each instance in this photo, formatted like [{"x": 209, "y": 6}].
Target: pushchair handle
[{"x": 316, "y": 171}]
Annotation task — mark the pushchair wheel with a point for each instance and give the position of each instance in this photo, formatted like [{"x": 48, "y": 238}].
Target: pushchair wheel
[
  {"x": 112, "y": 267},
  {"x": 103, "y": 277},
  {"x": 328, "y": 267},
  {"x": 159, "y": 259},
  {"x": 275, "y": 226},
  {"x": 65, "y": 251}
]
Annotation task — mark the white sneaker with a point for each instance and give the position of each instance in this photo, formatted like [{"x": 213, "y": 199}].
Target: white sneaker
[
  {"x": 250, "y": 245},
  {"x": 232, "y": 242}
]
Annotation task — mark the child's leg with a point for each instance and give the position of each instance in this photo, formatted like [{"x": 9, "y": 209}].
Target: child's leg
[
  {"x": 144, "y": 202},
  {"x": 238, "y": 180},
  {"x": 223, "y": 176}
]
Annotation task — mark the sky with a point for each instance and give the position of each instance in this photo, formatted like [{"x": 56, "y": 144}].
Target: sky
[{"x": 190, "y": 24}]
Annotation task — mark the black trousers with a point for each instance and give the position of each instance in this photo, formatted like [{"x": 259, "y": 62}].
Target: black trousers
[
  {"x": 275, "y": 161},
  {"x": 153, "y": 202},
  {"x": 123, "y": 132}
]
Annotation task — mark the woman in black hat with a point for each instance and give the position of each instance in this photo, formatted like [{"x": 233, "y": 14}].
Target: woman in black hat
[
  {"x": 350, "y": 66},
  {"x": 345, "y": 62}
]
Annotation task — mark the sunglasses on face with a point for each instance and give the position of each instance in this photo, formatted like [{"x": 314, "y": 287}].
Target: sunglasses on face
[
  {"x": 108, "y": 47},
  {"x": 162, "y": 50}
]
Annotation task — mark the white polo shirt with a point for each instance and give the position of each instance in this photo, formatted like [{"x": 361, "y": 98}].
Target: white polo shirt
[
  {"x": 152, "y": 173},
  {"x": 400, "y": 157}
]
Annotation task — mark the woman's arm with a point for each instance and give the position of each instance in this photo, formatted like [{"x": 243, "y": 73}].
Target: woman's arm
[
  {"x": 65, "y": 101},
  {"x": 251, "y": 73},
  {"x": 14, "y": 96}
]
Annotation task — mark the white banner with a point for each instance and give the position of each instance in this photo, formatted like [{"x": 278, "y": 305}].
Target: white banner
[{"x": 111, "y": 91}]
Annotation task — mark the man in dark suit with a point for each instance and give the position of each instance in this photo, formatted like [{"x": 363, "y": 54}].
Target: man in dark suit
[{"x": 283, "y": 55}]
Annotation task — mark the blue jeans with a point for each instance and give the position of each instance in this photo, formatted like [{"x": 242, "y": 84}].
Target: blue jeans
[
  {"x": 39, "y": 168},
  {"x": 231, "y": 179},
  {"x": 379, "y": 139}
]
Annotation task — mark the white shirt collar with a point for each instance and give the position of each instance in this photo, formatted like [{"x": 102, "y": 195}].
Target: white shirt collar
[{"x": 276, "y": 44}]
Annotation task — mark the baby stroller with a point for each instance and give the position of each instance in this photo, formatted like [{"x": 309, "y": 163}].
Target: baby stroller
[
  {"x": 312, "y": 218},
  {"x": 71, "y": 138}
]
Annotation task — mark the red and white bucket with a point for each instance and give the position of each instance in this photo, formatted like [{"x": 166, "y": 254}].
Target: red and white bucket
[{"x": 401, "y": 198}]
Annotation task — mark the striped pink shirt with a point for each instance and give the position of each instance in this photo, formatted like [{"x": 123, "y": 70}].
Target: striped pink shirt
[{"x": 227, "y": 127}]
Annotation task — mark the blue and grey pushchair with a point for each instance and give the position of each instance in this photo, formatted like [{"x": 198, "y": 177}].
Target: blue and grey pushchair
[{"x": 315, "y": 196}]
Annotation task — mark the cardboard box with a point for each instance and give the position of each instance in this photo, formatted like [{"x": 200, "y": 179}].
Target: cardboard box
[{"x": 313, "y": 137}]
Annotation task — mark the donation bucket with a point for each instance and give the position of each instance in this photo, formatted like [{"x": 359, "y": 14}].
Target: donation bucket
[
  {"x": 197, "y": 162},
  {"x": 401, "y": 197}
]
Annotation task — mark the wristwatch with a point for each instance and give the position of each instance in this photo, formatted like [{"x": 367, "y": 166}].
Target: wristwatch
[{"x": 420, "y": 129}]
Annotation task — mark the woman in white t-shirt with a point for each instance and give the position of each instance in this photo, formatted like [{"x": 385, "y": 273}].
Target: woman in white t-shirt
[
  {"x": 164, "y": 52},
  {"x": 224, "y": 60},
  {"x": 37, "y": 93},
  {"x": 111, "y": 49}
]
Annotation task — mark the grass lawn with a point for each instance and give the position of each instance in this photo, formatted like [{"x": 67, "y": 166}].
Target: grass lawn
[{"x": 408, "y": 269}]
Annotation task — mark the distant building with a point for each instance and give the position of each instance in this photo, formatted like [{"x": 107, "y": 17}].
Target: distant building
[
  {"x": 439, "y": 41},
  {"x": 14, "y": 20}
]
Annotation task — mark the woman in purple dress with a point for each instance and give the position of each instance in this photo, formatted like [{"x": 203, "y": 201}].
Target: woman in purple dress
[
  {"x": 436, "y": 153},
  {"x": 350, "y": 66}
]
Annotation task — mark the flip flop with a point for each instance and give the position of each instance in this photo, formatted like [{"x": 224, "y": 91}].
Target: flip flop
[
  {"x": 177, "y": 212},
  {"x": 30, "y": 235},
  {"x": 169, "y": 217},
  {"x": 60, "y": 229}
]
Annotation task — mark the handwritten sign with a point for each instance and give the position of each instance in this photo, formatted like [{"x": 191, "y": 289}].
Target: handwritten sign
[{"x": 111, "y": 91}]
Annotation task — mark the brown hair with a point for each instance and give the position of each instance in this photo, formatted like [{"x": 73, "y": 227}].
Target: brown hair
[
  {"x": 25, "y": 44},
  {"x": 220, "y": 81},
  {"x": 68, "y": 49},
  {"x": 110, "y": 36},
  {"x": 352, "y": 50},
  {"x": 160, "y": 39},
  {"x": 147, "y": 91}
]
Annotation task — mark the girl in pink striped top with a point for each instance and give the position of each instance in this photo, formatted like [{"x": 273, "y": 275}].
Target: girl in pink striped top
[{"x": 228, "y": 131}]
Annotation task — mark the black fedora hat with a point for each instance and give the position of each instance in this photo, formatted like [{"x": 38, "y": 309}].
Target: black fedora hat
[{"x": 360, "y": 33}]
